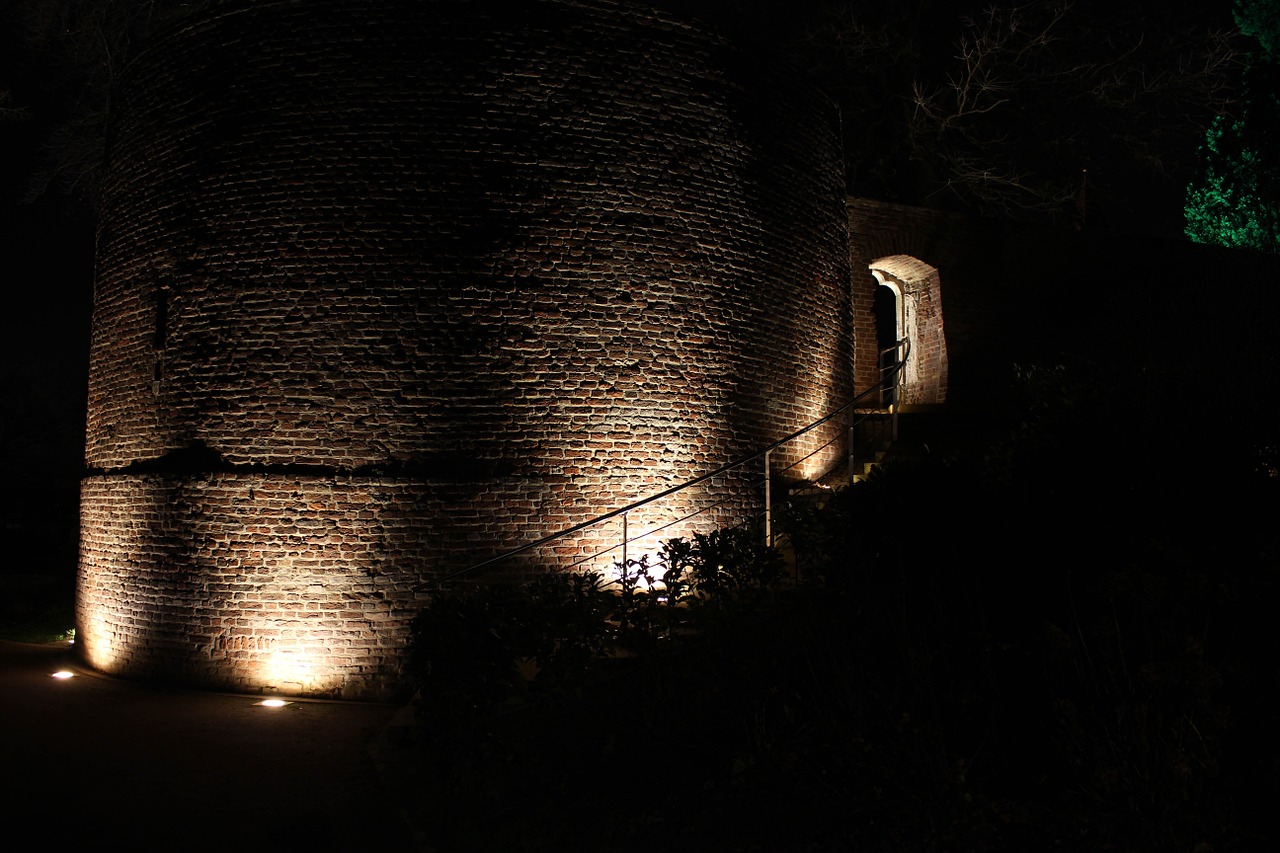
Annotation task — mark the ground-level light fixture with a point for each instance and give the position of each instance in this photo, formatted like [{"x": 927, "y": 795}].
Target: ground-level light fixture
[
  {"x": 273, "y": 703},
  {"x": 62, "y": 674}
]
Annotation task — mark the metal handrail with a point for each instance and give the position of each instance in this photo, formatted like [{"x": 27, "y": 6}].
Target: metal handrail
[
  {"x": 895, "y": 371},
  {"x": 890, "y": 370}
]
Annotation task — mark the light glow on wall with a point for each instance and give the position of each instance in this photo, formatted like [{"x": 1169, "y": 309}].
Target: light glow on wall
[
  {"x": 818, "y": 460},
  {"x": 289, "y": 670},
  {"x": 818, "y": 463},
  {"x": 266, "y": 517},
  {"x": 297, "y": 662},
  {"x": 96, "y": 645}
]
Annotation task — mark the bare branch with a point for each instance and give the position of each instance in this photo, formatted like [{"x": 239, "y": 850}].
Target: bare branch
[{"x": 12, "y": 115}]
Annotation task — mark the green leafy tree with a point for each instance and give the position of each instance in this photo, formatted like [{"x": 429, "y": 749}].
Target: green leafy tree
[
  {"x": 1261, "y": 20},
  {"x": 1236, "y": 200}
]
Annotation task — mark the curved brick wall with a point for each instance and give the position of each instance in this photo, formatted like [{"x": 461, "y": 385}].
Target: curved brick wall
[{"x": 384, "y": 293}]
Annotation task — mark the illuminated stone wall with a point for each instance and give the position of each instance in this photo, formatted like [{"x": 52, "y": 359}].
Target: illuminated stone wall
[
  {"x": 386, "y": 289},
  {"x": 907, "y": 245}
]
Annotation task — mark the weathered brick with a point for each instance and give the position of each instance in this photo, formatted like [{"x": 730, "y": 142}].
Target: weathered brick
[{"x": 385, "y": 290}]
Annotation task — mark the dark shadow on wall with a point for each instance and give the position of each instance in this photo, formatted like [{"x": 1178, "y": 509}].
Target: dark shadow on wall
[{"x": 796, "y": 301}]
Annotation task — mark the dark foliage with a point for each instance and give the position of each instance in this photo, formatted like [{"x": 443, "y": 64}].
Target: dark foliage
[
  {"x": 36, "y": 607},
  {"x": 1059, "y": 642}
]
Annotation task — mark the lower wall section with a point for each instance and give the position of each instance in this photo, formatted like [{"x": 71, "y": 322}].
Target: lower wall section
[
  {"x": 244, "y": 582},
  {"x": 307, "y": 585}
]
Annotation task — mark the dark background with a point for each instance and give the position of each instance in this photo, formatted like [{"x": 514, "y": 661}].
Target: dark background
[{"x": 59, "y": 59}]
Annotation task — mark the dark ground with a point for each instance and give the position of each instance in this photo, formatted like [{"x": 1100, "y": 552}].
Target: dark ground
[{"x": 98, "y": 763}]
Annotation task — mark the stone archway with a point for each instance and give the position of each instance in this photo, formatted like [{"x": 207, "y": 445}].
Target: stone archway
[{"x": 919, "y": 318}]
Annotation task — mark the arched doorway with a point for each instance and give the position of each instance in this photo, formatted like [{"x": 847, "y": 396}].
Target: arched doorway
[
  {"x": 908, "y": 304},
  {"x": 887, "y": 306}
]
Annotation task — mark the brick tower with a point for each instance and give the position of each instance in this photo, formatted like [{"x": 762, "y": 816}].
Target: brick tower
[{"x": 386, "y": 289}]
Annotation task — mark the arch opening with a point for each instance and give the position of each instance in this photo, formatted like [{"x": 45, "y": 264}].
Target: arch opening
[
  {"x": 908, "y": 304},
  {"x": 887, "y": 306}
]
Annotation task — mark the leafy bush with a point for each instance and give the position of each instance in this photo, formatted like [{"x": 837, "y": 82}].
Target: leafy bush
[{"x": 477, "y": 649}]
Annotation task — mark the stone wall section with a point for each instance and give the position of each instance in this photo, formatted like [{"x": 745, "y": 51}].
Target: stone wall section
[
  {"x": 384, "y": 290},
  {"x": 923, "y": 380},
  {"x": 881, "y": 230}
]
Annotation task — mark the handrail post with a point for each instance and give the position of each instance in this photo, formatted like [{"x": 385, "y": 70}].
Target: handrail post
[
  {"x": 768, "y": 503},
  {"x": 853, "y": 462},
  {"x": 901, "y": 359},
  {"x": 624, "y": 543}
]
